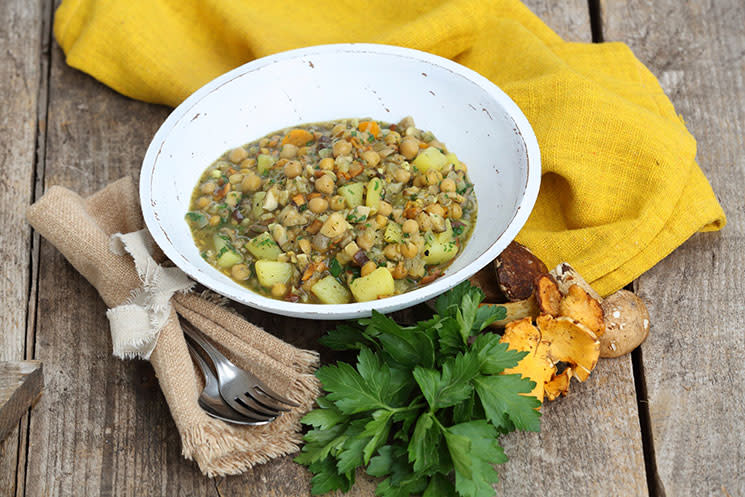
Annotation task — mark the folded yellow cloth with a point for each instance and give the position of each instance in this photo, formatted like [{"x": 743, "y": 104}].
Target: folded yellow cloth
[{"x": 621, "y": 188}]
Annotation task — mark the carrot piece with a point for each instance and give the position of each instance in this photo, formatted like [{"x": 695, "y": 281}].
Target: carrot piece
[
  {"x": 313, "y": 195},
  {"x": 370, "y": 126},
  {"x": 315, "y": 267},
  {"x": 299, "y": 199},
  {"x": 298, "y": 137},
  {"x": 423, "y": 145},
  {"x": 231, "y": 171},
  {"x": 222, "y": 191}
]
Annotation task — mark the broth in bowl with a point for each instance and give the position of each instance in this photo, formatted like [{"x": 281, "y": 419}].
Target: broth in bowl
[{"x": 334, "y": 212}]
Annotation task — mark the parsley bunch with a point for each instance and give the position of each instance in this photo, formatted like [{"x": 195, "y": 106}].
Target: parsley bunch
[{"x": 424, "y": 406}]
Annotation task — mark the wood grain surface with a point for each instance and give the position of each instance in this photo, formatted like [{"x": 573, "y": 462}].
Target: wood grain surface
[
  {"x": 20, "y": 385},
  {"x": 21, "y": 77},
  {"x": 693, "y": 359},
  {"x": 103, "y": 428}
]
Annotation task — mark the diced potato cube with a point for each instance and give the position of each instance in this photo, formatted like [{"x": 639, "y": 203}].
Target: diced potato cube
[
  {"x": 374, "y": 192},
  {"x": 229, "y": 258},
  {"x": 330, "y": 291},
  {"x": 439, "y": 247},
  {"x": 430, "y": 158},
  {"x": 393, "y": 232},
  {"x": 272, "y": 272},
  {"x": 264, "y": 163},
  {"x": 375, "y": 285},
  {"x": 257, "y": 201},
  {"x": 334, "y": 226},
  {"x": 264, "y": 247},
  {"x": 352, "y": 193}
]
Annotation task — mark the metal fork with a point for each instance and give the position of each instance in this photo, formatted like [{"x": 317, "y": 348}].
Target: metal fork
[
  {"x": 211, "y": 402},
  {"x": 240, "y": 389}
]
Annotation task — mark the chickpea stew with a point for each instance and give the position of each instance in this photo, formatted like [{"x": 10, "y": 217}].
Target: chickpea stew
[{"x": 334, "y": 212}]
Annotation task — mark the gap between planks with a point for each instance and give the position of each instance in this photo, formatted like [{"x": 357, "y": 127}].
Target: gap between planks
[{"x": 37, "y": 190}]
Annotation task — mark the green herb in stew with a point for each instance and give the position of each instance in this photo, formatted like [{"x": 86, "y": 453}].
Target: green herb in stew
[{"x": 334, "y": 212}]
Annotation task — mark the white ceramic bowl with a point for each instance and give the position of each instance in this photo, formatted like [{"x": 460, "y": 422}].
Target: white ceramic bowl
[{"x": 473, "y": 117}]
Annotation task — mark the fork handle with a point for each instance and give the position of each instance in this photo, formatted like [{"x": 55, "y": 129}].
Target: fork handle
[{"x": 218, "y": 359}]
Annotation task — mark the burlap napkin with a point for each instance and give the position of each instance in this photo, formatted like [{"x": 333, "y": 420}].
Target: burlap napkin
[{"x": 81, "y": 229}]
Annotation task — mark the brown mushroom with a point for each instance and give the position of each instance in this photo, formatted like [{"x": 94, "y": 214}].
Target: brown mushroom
[
  {"x": 517, "y": 268},
  {"x": 566, "y": 276},
  {"x": 626, "y": 324},
  {"x": 515, "y": 310},
  {"x": 486, "y": 280}
]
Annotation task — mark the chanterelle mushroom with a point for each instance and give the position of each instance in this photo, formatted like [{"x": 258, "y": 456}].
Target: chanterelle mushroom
[
  {"x": 523, "y": 336},
  {"x": 580, "y": 306},
  {"x": 571, "y": 342}
]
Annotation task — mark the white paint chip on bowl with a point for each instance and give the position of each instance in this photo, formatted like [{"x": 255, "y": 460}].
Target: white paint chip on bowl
[{"x": 473, "y": 117}]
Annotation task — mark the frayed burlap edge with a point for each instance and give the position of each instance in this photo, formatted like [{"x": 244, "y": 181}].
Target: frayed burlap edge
[{"x": 222, "y": 450}]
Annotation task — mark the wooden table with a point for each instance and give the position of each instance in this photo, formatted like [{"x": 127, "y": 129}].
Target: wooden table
[{"x": 667, "y": 420}]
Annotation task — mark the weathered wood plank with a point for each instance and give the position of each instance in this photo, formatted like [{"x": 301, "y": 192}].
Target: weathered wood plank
[
  {"x": 692, "y": 361},
  {"x": 102, "y": 427},
  {"x": 21, "y": 75},
  {"x": 20, "y": 384},
  {"x": 569, "y": 18}
]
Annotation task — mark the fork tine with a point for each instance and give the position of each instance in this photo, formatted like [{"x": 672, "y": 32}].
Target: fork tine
[
  {"x": 249, "y": 412},
  {"x": 266, "y": 401},
  {"x": 250, "y": 403},
  {"x": 269, "y": 393}
]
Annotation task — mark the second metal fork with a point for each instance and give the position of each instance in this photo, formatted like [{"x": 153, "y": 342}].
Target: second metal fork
[{"x": 240, "y": 389}]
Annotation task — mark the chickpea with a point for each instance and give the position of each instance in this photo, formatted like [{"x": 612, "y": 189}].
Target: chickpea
[
  {"x": 401, "y": 175},
  {"x": 366, "y": 240},
  {"x": 235, "y": 178},
  {"x": 240, "y": 272},
  {"x": 436, "y": 209},
  {"x": 391, "y": 252},
  {"x": 399, "y": 272},
  {"x": 293, "y": 169},
  {"x": 338, "y": 129},
  {"x": 419, "y": 181},
  {"x": 368, "y": 268},
  {"x": 409, "y": 147},
  {"x": 208, "y": 187},
  {"x": 248, "y": 164},
  {"x": 409, "y": 250},
  {"x": 342, "y": 147},
  {"x": 447, "y": 185},
  {"x": 392, "y": 138},
  {"x": 432, "y": 177},
  {"x": 410, "y": 226},
  {"x": 325, "y": 184},
  {"x": 371, "y": 157},
  {"x": 203, "y": 202},
  {"x": 380, "y": 221},
  {"x": 214, "y": 220},
  {"x": 289, "y": 151},
  {"x": 279, "y": 290},
  {"x": 251, "y": 183},
  {"x": 326, "y": 164},
  {"x": 384, "y": 208},
  {"x": 337, "y": 202},
  {"x": 318, "y": 205},
  {"x": 237, "y": 155},
  {"x": 455, "y": 211}
]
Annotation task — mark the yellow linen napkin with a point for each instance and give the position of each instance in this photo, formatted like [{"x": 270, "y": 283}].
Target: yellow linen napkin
[{"x": 621, "y": 188}]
